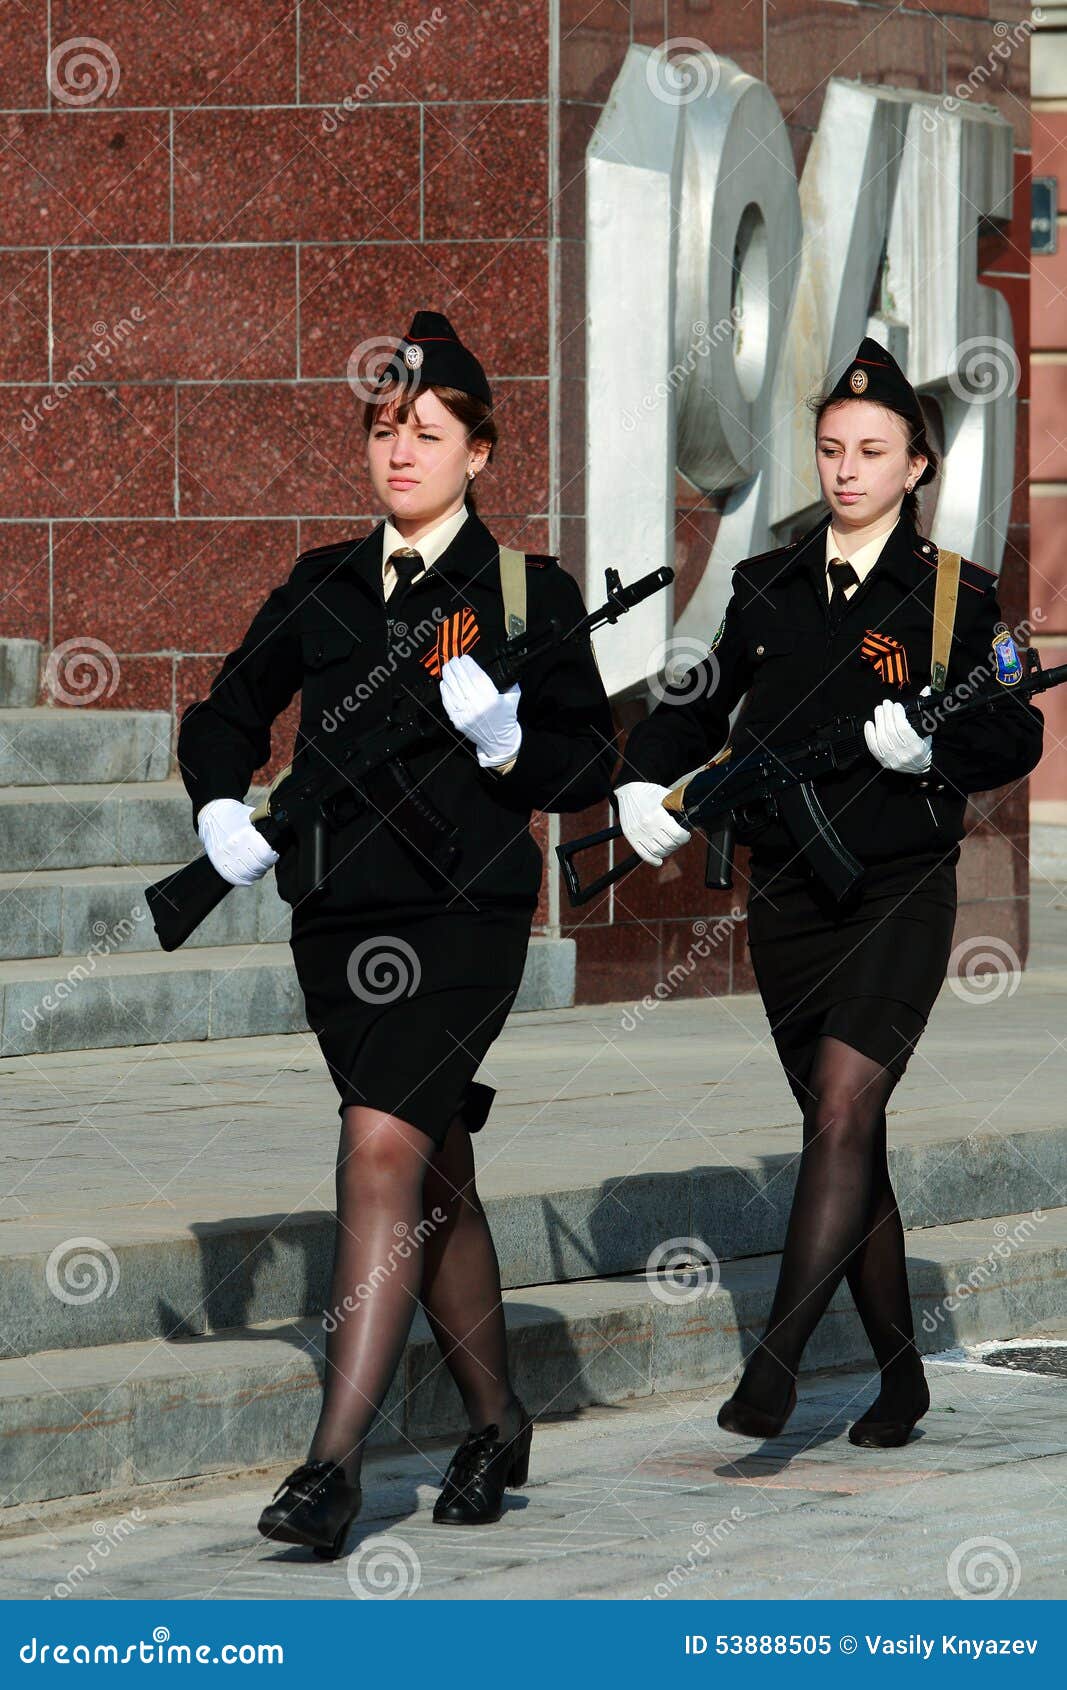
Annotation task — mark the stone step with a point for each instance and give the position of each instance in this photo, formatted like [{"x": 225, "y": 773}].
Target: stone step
[
  {"x": 1048, "y": 854},
  {"x": 82, "y": 826},
  {"x": 43, "y": 747},
  {"x": 210, "y": 1269},
  {"x": 112, "y": 998},
  {"x": 20, "y": 663},
  {"x": 118, "y": 1416},
  {"x": 61, "y": 912}
]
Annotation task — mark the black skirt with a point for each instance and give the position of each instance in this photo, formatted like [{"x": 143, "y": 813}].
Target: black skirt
[
  {"x": 866, "y": 971},
  {"x": 405, "y": 1007}
]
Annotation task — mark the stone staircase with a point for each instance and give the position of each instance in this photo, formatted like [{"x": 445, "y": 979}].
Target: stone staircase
[
  {"x": 89, "y": 817},
  {"x": 175, "y": 1351}
]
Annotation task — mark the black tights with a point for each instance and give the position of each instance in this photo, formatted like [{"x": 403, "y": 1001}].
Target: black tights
[
  {"x": 410, "y": 1227},
  {"x": 844, "y": 1222}
]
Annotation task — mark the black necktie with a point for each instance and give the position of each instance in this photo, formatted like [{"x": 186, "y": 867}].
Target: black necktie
[
  {"x": 408, "y": 563},
  {"x": 842, "y": 575}
]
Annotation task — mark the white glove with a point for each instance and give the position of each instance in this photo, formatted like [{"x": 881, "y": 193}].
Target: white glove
[
  {"x": 894, "y": 742},
  {"x": 237, "y": 849},
  {"x": 650, "y": 829},
  {"x": 474, "y": 706}
]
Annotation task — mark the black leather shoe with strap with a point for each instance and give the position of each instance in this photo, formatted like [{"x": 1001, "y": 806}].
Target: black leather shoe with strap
[
  {"x": 482, "y": 1468},
  {"x": 315, "y": 1506}
]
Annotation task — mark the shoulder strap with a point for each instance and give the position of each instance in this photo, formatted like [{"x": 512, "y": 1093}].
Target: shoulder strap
[
  {"x": 513, "y": 587},
  {"x": 945, "y": 595}
]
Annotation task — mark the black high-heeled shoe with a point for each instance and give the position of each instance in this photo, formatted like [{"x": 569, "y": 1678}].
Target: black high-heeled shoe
[
  {"x": 315, "y": 1506},
  {"x": 750, "y": 1422},
  {"x": 478, "y": 1474},
  {"x": 889, "y": 1434}
]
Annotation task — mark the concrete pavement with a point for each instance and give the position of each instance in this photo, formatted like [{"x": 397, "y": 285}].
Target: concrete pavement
[{"x": 647, "y": 1500}]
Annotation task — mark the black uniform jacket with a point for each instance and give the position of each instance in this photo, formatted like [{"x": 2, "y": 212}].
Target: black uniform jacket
[
  {"x": 777, "y": 646},
  {"x": 329, "y": 632}
]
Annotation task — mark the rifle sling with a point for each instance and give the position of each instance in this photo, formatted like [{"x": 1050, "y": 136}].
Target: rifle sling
[
  {"x": 513, "y": 587},
  {"x": 945, "y": 595}
]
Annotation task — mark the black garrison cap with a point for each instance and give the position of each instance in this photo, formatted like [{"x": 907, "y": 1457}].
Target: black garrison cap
[
  {"x": 875, "y": 374},
  {"x": 431, "y": 354}
]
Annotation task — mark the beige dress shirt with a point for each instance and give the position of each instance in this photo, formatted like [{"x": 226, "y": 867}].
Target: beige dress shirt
[
  {"x": 430, "y": 546},
  {"x": 862, "y": 560}
]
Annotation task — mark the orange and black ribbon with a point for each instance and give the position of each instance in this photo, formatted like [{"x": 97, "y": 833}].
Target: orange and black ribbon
[
  {"x": 888, "y": 657},
  {"x": 455, "y": 635}
]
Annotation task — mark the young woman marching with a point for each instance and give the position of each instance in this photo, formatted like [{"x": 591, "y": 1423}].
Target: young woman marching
[
  {"x": 840, "y": 622},
  {"x": 408, "y": 974}
]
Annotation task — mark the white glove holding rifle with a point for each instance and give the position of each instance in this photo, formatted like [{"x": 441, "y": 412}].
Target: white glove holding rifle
[
  {"x": 488, "y": 717},
  {"x": 893, "y": 741},
  {"x": 650, "y": 829},
  {"x": 236, "y": 848}
]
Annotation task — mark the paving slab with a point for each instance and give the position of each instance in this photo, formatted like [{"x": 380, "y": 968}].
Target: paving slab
[
  {"x": 199, "y": 1130},
  {"x": 640, "y": 1501}
]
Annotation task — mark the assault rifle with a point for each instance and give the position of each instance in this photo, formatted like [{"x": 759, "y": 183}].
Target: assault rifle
[
  {"x": 779, "y": 781},
  {"x": 367, "y": 769}
]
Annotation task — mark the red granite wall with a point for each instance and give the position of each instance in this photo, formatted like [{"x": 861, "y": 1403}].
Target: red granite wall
[
  {"x": 226, "y": 261},
  {"x": 187, "y": 208},
  {"x": 1048, "y": 450},
  {"x": 663, "y": 920}
]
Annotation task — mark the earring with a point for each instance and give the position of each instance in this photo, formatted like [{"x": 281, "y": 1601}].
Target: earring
[{"x": 471, "y": 473}]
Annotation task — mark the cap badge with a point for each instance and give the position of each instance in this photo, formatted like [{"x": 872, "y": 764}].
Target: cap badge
[
  {"x": 858, "y": 381},
  {"x": 413, "y": 356}
]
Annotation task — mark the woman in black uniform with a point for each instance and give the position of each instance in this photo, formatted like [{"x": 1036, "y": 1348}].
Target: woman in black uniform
[
  {"x": 840, "y": 622},
  {"x": 408, "y": 973}
]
